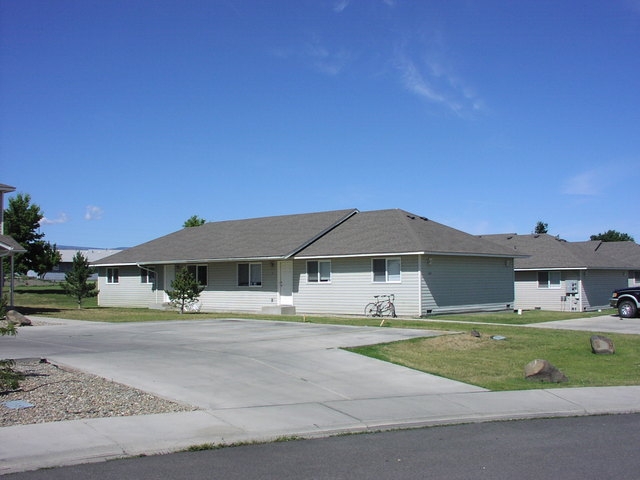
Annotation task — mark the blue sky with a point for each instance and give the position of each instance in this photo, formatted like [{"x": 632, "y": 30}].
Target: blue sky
[{"x": 123, "y": 118}]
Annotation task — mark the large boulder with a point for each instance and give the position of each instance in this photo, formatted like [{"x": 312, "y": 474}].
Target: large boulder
[
  {"x": 543, "y": 371},
  {"x": 602, "y": 345},
  {"x": 17, "y": 318}
]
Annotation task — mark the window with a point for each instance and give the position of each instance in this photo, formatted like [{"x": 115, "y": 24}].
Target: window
[
  {"x": 319, "y": 271},
  {"x": 147, "y": 275},
  {"x": 636, "y": 277},
  {"x": 548, "y": 279},
  {"x": 386, "y": 270},
  {"x": 249, "y": 274},
  {"x": 113, "y": 275},
  {"x": 199, "y": 272}
]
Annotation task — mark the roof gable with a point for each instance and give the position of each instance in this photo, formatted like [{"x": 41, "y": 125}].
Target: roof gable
[
  {"x": 397, "y": 231},
  {"x": 267, "y": 237}
]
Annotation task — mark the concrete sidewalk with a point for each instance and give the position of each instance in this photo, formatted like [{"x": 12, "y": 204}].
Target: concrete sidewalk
[{"x": 256, "y": 381}]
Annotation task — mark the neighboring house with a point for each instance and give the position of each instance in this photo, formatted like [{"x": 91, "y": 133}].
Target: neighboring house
[
  {"x": 327, "y": 262},
  {"x": 66, "y": 262},
  {"x": 569, "y": 276}
]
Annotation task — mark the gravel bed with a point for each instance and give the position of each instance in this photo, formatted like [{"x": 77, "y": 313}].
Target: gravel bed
[{"x": 58, "y": 393}]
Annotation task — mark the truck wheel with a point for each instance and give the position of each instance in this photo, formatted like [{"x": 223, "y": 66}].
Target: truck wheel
[{"x": 627, "y": 309}]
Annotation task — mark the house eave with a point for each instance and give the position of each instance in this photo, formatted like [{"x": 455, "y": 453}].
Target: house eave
[
  {"x": 190, "y": 261},
  {"x": 396, "y": 254}
]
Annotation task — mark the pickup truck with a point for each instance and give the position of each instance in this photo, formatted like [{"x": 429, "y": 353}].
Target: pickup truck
[{"x": 627, "y": 301}]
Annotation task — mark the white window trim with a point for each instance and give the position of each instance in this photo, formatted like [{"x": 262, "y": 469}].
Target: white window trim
[
  {"x": 117, "y": 271},
  {"x": 319, "y": 281},
  {"x": 251, "y": 265},
  {"x": 197, "y": 266},
  {"x": 550, "y": 286},
  {"x": 145, "y": 273},
  {"x": 386, "y": 269}
]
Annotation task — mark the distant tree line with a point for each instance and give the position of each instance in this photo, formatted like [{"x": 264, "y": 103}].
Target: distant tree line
[{"x": 608, "y": 236}]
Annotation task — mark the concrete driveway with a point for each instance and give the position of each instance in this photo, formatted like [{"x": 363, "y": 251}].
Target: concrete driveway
[
  {"x": 603, "y": 323},
  {"x": 219, "y": 364}
]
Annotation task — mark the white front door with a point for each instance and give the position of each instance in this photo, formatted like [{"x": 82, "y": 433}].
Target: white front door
[
  {"x": 285, "y": 282},
  {"x": 169, "y": 276}
]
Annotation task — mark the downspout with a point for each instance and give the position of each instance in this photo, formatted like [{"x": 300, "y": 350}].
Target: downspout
[
  {"x": 420, "y": 285},
  {"x": 580, "y": 289},
  {"x": 155, "y": 279}
]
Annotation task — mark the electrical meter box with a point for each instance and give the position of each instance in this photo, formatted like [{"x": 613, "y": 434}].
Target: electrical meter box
[{"x": 572, "y": 286}]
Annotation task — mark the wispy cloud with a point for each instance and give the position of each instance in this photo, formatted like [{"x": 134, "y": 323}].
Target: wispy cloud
[
  {"x": 587, "y": 183},
  {"x": 317, "y": 56},
  {"x": 93, "y": 213},
  {"x": 324, "y": 60},
  {"x": 430, "y": 76},
  {"x": 340, "y": 5},
  {"x": 62, "y": 218}
]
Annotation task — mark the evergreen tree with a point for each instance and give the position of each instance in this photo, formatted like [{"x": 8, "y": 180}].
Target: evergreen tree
[
  {"x": 9, "y": 378},
  {"x": 541, "y": 227},
  {"x": 77, "y": 282},
  {"x": 194, "y": 221},
  {"x": 185, "y": 290}
]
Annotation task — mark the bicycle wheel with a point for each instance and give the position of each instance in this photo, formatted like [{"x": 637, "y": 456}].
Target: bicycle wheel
[
  {"x": 388, "y": 310},
  {"x": 371, "y": 310}
]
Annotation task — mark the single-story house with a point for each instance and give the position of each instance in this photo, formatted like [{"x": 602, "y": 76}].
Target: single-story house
[
  {"x": 559, "y": 275},
  {"x": 327, "y": 262},
  {"x": 66, "y": 261}
]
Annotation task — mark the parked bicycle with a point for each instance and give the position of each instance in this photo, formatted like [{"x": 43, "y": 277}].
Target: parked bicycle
[{"x": 382, "y": 307}]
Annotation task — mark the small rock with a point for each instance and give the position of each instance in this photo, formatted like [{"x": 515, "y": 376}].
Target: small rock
[
  {"x": 17, "y": 318},
  {"x": 602, "y": 345},
  {"x": 475, "y": 333},
  {"x": 543, "y": 371}
]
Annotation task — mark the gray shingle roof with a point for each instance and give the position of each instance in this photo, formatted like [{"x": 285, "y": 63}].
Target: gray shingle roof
[
  {"x": 334, "y": 233},
  {"x": 8, "y": 244},
  {"x": 397, "y": 231},
  {"x": 267, "y": 237},
  {"x": 548, "y": 252}
]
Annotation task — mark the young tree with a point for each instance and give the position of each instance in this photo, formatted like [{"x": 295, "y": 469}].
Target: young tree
[
  {"x": 185, "y": 290},
  {"x": 541, "y": 227},
  {"x": 194, "y": 221},
  {"x": 612, "y": 236},
  {"x": 77, "y": 282},
  {"x": 22, "y": 222},
  {"x": 9, "y": 379}
]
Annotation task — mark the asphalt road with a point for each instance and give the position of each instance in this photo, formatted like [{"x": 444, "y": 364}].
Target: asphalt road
[{"x": 567, "y": 448}]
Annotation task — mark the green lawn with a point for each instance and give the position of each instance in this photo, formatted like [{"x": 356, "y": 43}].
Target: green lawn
[{"x": 492, "y": 364}]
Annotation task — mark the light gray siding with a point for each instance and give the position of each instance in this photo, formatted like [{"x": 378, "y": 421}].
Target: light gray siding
[
  {"x": 352, "y": 287},
  {"x": 128, "y": 292},
  {"x": 594, "y": 290},
  {"x": 224, "y": 294},
  {"x": 529, "y": 296},
  {"x": 447, "y": 283},
  {"x": 457, "y": 284},
  {"x": 598, "y": 285}
]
